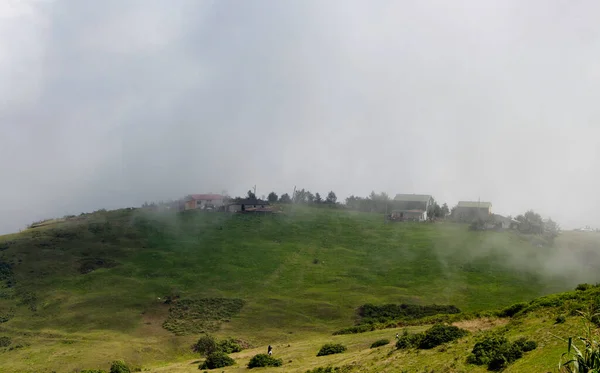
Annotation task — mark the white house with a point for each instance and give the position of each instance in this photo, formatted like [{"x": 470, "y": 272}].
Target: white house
[{"x": 412, "y": 206}]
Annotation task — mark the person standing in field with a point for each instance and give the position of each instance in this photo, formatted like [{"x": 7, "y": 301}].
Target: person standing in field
[{"x": 270, "y": 350}]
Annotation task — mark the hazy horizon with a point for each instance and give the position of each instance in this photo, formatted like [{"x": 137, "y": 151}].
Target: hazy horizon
[{"x": 111, "y": 104}]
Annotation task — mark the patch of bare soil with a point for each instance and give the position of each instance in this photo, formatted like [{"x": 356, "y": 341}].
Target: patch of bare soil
[
  {"x": 477, "y": 325},
  {"x": 152, "y": 321}
]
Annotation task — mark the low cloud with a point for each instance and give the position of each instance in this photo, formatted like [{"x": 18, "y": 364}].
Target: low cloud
[{"x": 112, "y": 103}]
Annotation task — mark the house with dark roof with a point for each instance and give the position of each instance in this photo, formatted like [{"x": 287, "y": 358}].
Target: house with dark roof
[
  {"x": 204, "y": 201},
  {"x": 248, "y": 205},
  {"x": 411, "y": 206},
  {"x": 468, "y": 211}
]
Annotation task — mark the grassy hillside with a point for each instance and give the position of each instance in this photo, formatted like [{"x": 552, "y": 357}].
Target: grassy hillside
[{"x": 86, "y": 291}]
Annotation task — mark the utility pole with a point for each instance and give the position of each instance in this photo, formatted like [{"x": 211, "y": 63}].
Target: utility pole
[{"x": 254, "y": 190}]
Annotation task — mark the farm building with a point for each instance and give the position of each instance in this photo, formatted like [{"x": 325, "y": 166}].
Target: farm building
[
  {"x": 204, "y": 201},
  {"x": 243, "y": 205},
  {"x": 468, "y": 211},
  {"x": 411, "y": 206}
]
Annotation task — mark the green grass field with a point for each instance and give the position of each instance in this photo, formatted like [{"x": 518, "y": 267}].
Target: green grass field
[{"x": 301, "y": 276}]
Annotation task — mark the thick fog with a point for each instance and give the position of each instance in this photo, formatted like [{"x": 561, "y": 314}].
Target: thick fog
[{"x": 107, "y": 104}]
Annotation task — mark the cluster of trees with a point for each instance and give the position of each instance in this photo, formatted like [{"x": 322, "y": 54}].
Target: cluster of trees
[
  {"x": 303, "y": 197},
  {"x": 533, "y": 223}
]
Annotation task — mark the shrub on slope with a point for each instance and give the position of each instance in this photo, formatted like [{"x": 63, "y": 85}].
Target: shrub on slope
[
  {"x": 264, "y": 360},
  {"x": 217, "y": 360},
  {"x": 432, "y": 337},
  {"x": 331, "y": 348}
]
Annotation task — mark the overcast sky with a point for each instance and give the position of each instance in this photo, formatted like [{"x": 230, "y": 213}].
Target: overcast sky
[{"x": 107, "y": 104}]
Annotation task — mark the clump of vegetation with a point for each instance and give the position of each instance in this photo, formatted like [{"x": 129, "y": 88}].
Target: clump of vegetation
[
  {"x": 370, "y": 313},
  {"x": 230, "y": 346},
  {"x": 356, "y": 329},
  {"x": 432, "y": 337},
  {"x": 583, "y": 287},
  {"x": 7, "y": 274},
  {"x": 512, "y": 310},
  {"x": 560, "y": 319},
  {"x": 331, "y": 348},
  {"x": 207, "y": 345},
  {"x": 406, "y": 341},
  {"x": 30, "y": 300},
  {"x": 6, "y": 244},
  {"x": 440, "y": 334},
  {"x": 497, "y": 352},
  {"x": 217, "y": 360},
  {"x": 119, "y": 366},
  {"x": 264, "y": 360},
  {"x": 6, "y": 315},
  {"x": 5, "y": 341},
  {"x": 380, "y": 342},
  {"x": 342, "y": 369},
  {"x": 202, "y": 315}
]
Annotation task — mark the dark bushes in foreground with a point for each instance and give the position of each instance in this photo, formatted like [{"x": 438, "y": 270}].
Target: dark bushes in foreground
[
  {"x": 264, "y": 360},
  {"x": 497, "y": 352},
  {"x": 331, "y": 348}
]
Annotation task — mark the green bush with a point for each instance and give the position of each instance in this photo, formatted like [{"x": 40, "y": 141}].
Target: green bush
[
  {"x": 583, "y": 287},
  {"x": 5, "y": 341},
  {"x": 230, "y": 346},
  {"x": 356, "y": 329},
  {"x": 217, "y": 360},
  {"x": 264, "y": 360},
  {"x": 331, "y": 348},
  {"x": 119, "y": 366},
  {"x": 560, "y": 319},
  {"x": 525, "y": 344},
  {"x": 206, "y": 345},
  {"x": 381, "y": 342},
  {"x": 406, "y": 341},
  {"x": 497, "y": 352},
  {"x": 485, "y": 350},
  {"x": 512, "y": 310},
  {"x": 440, "y": 334}
]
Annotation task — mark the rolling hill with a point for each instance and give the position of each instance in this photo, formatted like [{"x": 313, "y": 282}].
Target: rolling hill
[{"x": 88, "y": 290}]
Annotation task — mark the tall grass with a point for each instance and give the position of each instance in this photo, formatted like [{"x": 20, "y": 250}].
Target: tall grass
[{"x": 583, "y": 352}]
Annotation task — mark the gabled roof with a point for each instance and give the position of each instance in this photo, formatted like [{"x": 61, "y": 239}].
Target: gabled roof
[
  {"x": 474, "y": 204},
  {"x": 412, "y": 197},
  {"x": 205, "y": 197}
]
